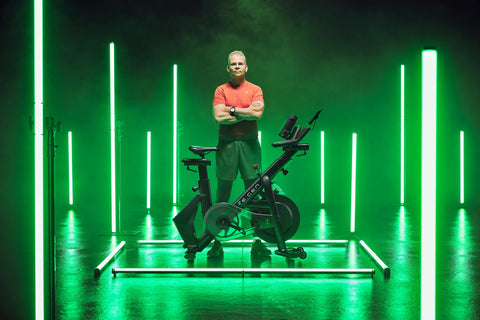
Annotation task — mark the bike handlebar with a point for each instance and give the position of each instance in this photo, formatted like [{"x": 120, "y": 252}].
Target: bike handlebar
[{"x": 298, "y": 132}]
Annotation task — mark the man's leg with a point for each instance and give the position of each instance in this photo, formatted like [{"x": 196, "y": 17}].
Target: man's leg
[
  {"x": 227, "y": 163},
  {"x": 224, "y": 189},
  {"x": 251, "y": 154}
]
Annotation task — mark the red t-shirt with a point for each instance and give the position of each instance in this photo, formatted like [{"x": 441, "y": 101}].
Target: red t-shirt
[{"x": 238, "y": 97}]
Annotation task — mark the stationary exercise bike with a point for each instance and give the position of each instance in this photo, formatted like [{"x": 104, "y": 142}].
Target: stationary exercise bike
[{"x": 259, "y": 211}]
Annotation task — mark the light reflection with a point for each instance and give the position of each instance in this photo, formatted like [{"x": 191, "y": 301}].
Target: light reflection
[
  {"x": 357, "y": 299},
  {"x": 113, "y": 243},
  {"x": 71, "y": 225},
  {"x": 148, "y": 227},
  {"x": 404, "y": 266},
  {"x": 463, "y": 284},
  {"x": 322, "y": 229},
  {"x": 401, "y": 243},
  {"x": 402, "y": 229},
  {"x": 70, "y": 263},
  {"x": 352, "y": 252}
]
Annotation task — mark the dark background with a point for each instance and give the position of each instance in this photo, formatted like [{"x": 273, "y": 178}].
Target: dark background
[{"x": 343, "y": 55}]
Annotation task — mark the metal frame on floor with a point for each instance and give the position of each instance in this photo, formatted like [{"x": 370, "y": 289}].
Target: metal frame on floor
[{"x": 244, "y": 271}]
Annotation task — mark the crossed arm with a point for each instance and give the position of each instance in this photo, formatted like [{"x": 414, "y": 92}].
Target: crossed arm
[{"x": 221, "y": 113}]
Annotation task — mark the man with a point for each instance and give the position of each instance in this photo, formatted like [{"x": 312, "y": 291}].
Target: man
[{"x": 237, "y": 105}]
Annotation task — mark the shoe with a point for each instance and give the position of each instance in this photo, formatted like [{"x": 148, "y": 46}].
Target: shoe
[
  {"x": 259, "y": 249},
  {"x": 216, "y": 250}
]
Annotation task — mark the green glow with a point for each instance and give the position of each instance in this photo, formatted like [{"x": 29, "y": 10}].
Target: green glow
[
  {"x": 402, "y": 134},
  {"x": 71, "y": 225},
  {"x": 149, "y": 162},
  {"x": 322, "y": 225},
  {"x": 175, "y": 134},
  {"x": 148, "y": 227},
  {"x": 116, "y": 271},
  {"x": 402, "y": 225},
  {"x": 352, "y": 254},
  {"x": 70, "y": 169},
  {"x": 463, "y": 282},
  {"x": 260, "y": 137},
  {"x": 38, "y": 132},
  {"x": 354, "y": 177},
  {"x": 429, "y": 115},
  {"x": 242, "y": 242},
  {"x": 461, "y": 237},
  {"x": 112, "y": 134},
  {"x": 462, "y": 168},
  {"x": 322, "y": 167}
]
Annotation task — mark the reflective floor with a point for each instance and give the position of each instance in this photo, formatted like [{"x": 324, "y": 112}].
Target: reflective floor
[{"x": 393, "y": 233}]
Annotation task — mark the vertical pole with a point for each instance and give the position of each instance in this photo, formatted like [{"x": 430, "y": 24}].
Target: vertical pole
[
  {"x": 175, "y": 120},
  {"x": 322, "y": 167},
  {"x": 402, "y": 134},
  {"x": 149, "y": 162},
  {"x": 354, "y": 181},
  {"x": 38, "y": 138},
  {"x": 70, "y": 169},
  {"x": 429, "y": 115},
  {"x": 112, "y": 136},
  {"x": 462, "y": 168}
]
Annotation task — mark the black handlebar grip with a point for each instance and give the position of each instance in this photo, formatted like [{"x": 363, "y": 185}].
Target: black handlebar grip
[{"x": 288, "y": 126}]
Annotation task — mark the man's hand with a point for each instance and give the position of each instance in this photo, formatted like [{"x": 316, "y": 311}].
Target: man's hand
[
  {"x": 222, "y": 115},
  {"x": 253, "y": 112}
]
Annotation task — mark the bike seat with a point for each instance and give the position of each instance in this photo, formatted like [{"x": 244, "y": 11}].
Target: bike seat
[{"x": 202, "y": 150}]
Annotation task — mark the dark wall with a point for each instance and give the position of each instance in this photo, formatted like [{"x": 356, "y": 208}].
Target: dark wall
[{"x": 341, "y": 55}]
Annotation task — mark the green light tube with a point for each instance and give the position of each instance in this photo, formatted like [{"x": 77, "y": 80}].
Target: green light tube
[
  {"x": 99, "y": 269},
  {"x": 462, "y": 168},
  {"x": 149, "y": 164},
  {"x": 260, "y": 137},
  {"x": 38, "y": 133},
  {"x": 402, "y": 134},
  {"x": 376, "y": 259},
  {"x": 243, "y": 271},
  {"x": 70, "y": 169},
  {"x": 322, "y": 167},
  {"x": 241, "y": 242},
  {"x": 354, "y": 178},
  {"x": 112, "y": 135},
  {"x": 175, "y": 134},
  {"x": 429, "y": 141}
]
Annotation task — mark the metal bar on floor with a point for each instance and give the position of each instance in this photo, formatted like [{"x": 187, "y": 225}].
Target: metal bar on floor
[
  {"x": 99, "y": 269},
  {"x": 240, "y": 242},
  {"x": 242, "y": 271},
  {"x": 376, "y": 259}
]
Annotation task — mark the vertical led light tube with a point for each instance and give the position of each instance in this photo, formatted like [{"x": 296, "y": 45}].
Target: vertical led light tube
[
  {"x": 429, "y": 141},
  {"x": 260, "y": 138},
  {"x": 38, "y": 138},
  {"x": 112, "y": 136},
  {"x": 70, "y": 169},
  {"x": 149, "y": 167},
  {"x": 175, "y": 134},
  {"x": 354, "y": 181},
  {"x": 402, "y": 134},
  {"x": 322, "y": 167},
  {"x": 462, "y": 168}
]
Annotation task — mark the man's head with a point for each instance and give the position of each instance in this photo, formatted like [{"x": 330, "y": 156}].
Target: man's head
[{"x": 237, "y": 64}]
